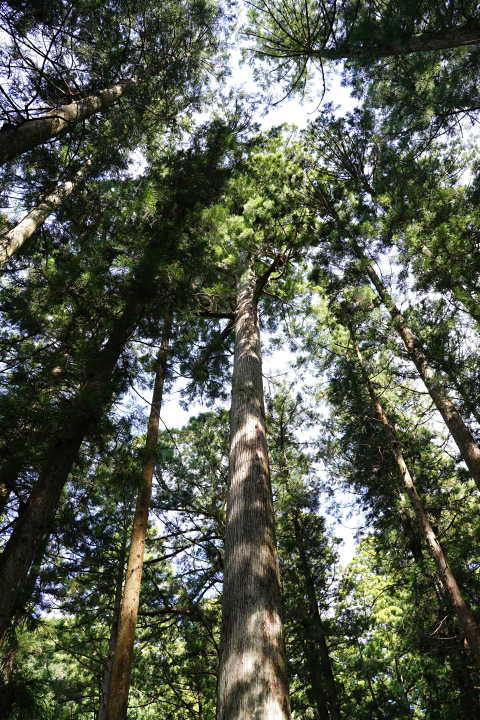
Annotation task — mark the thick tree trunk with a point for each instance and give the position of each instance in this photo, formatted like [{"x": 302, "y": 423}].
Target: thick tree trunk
[
  {"x": 117, "y": 604},
  {"x": 465, "y": 618},
  {"x": 122, "y": 662},
  {"x": 29, "y": 134},
  {"x": 462, "y": 436},
  {"x": 32, "y": 524},
  {"x": 252, "y": 680},
  {"x": 15, "y": 238}
]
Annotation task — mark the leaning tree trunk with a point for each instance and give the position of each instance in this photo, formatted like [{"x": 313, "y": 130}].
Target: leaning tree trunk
[
  {"x": 447, "y": 578},
  {"x": 252, "y": 681},
  {"x": 123, "y": 656},
  {"x": 14, "y": 239},
  {"x": 464, "y": 35},
  {"x": 32, "y": 524},
  {"x": 462, "y": 436},
  {"x": 30, "y": 133}
]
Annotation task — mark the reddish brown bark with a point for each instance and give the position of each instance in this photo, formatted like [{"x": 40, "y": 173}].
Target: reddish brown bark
[
  {"x": 122, "y": 662},
  {"x": 117, "y": 604}
]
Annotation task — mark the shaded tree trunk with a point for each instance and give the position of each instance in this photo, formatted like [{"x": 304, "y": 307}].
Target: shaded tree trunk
[
  {"x": 462, "y": 611},
  {"x": 15, "y": 238},
  {"x": 8, "y": 478},
  {"x": 29, "y": 134},
  {"x": 462, "y": 436},
  {"x": 252, "y": 672},
  {"x": 30, "y": 528},
  {"x": 123, "y": 656},
  {"x": 466, "y": 35},
  {"x": 317, "y": 636},
  {"x": 318, "y": 658}
]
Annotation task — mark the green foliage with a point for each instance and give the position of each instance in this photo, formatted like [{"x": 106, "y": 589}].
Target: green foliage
[{"x": 393, "y": 179}]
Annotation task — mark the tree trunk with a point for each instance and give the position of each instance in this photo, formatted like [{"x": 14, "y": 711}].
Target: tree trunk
[
  {"x": 402, "y": 696},
  {"x": 15, "y": 238},
  {"x": 252, "y": 680},
  {"x": 30, "y": 528},
  {"x": 462, "y": 436},
  {"x": 318, "y": 658},
  {"x": 117, "y": 603},
  {"x": 122, "y": 662},
  {"x": 466, "y": 35},
  {"x": 462, "y": 611},
  {"x": 317, "y": 633},
  {"x": 29, "y": 134},
  {"x": 8, "y": 478}
]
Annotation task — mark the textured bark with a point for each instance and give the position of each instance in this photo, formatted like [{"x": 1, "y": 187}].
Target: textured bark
[
  {"x": 29, "y": 134},
  {"x": 117, "y": 604},
  {"x": 462, "y": 436},
  {"x": 122, "y": 662},
  {"x": 462, "y": 611},
  {"x": 252, "y": 682},
  {"x": 15, "y": 238},
  {"x": 32, "y": 524}
]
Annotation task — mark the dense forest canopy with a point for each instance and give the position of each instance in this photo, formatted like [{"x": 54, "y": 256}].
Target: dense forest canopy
[{"x": 154, "y": 243}]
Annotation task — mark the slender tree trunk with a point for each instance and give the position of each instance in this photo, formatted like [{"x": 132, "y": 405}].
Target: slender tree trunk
[
  {"x": 15, "y": 238},
  {"x": 379, "y": 714},
  {"x": 462, "y": 436},
  {"x": 315, "y": 680},
  {"x": 315, "y": 625},
  {"x": 318, "y": 657},
  {"x": 403, "y": 693},
  {"x": 122, "y": 661},
  {"x": 414, "y": 538},
  {"x": 29, "y": 134},
  {"x": 252, "y": 680},
  {"x": 465, "y": 618},
  {"x": 30, "y": 528},
  {"x": 117, "y": 603}
]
